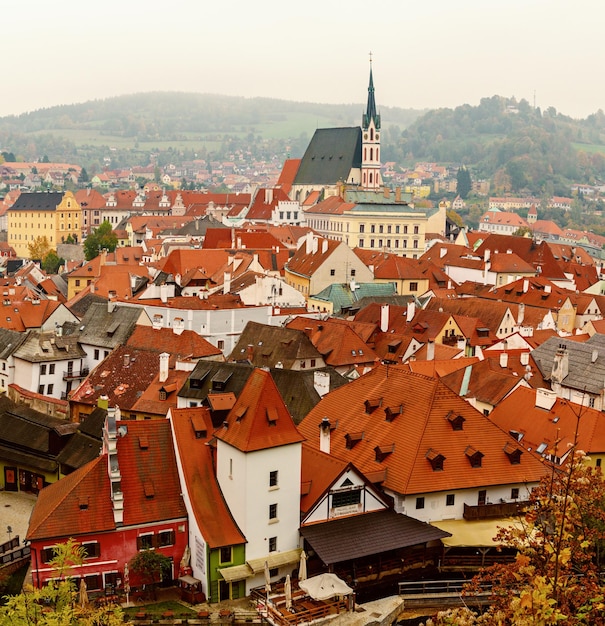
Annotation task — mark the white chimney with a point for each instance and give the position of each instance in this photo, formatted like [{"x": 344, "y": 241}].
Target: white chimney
[
  {"x": 520, "y": 314},
  {"x": 324, "y": 435},
  {"x": 321, "y": 382},
  {"x": 384, "y": 317},
  {"x": 545, "y": 398},
  {"x": 430, "y": 350},
  {"x": 309, "y": 242},
  {"x": 111, "y": 306},
  {"x": 524, "y": 358},
  {"x": 411, "y": 311},
  {"x": 547, "y": 288},
  {"x": 164, "y": 293},
  {"x": 594, "y": 356},
  {"x": 324, "y": 246},
  {"x": 504, "y": 359},
  {"x": 442, "y": 252},
  {"x": 315, "y": 244},
  {"x": 226, "y": 282},
  {"x": 525, "y": 285},
  {"x": 486, "y": 255},
  {"x": 164, "y": 360}
]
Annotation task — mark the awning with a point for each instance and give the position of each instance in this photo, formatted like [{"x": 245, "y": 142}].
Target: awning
[
  {"x": 474, "y": 533},
  {"x": 275, "y": 559},
  {"x": 189, "y": 580},
  {"x": 236, "y": 572},
  {"x": 325, "y": 586},
  {"x": 356, "y": 536}
]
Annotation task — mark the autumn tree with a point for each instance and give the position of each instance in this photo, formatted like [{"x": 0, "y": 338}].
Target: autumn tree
[
  {"x": 39, "y": 248},
  {"x": 560, "y": 541},
  {"x": 150, "y": 566},
  {"x": 101, "y": 238}
]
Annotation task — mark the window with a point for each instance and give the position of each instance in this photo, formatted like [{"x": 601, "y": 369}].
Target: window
[
  {"x": 591, "y": 402},
  {"x": 413, "y": 286},
  {"x": 41, "y": 389},
  {"x": 361, "y": 242},
  {"x": 372, "y": 228},
  {"x": 598, "y": 463},
  {"x": 77, "y": 282},
  {"x": 96, "y": 355},
  {"x": 405, "y": 230},
  {"x": 362, "y": 228},
  {"x": 449, "y": 499},
  {"x": 332, "y": 272},
  {"x": 43, "y": 369},
  {"x": 165, "y": 538},
  {"x": 144, "y": 542},
  {"x": 273, "y": 475},
  {"x": 415, "y": 230},
  {"x": 92, "y": 550},
  {"x": 49, "y": 389},
  {"x": 274, "y": 572},
  {"x": 47, "y": 555},
  {"x": 420, "y": 503},
  {"x": 514, "y": 493},
  {"x": 220, "y": 344},
  {"x": 273, "y": 511},
  {"x": 225, "y": 555},
  {"x": 346, "y": 498},
  {"x": 415, "y": 243},
  {"x": 272, "y": 544},
  {"x": 51, "y": 368}
]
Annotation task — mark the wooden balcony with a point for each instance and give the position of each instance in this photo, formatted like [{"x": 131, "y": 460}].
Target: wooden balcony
[{"x": 490, "y": 511}]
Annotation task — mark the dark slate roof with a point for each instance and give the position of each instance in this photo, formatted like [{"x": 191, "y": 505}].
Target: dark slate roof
[
  {"x": 295, "y": 387},
  {"x": 330, "y": 156},
  {"x": 585, "y": 374},
  {"x": 86, "y": 443},
  {"x": 10, "y": 340},
  {"x": 358, "y": 536},
  {"x": 37, "y": 201},
  {"x": 82, "y": 304},
  {"x": 108, "y": 329}
]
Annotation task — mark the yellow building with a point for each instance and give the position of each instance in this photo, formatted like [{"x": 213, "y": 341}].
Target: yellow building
[{"x": 54, "y": 215}]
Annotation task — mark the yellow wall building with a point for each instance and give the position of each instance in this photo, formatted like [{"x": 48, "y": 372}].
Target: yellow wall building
[{"x": 54, "y": 215}]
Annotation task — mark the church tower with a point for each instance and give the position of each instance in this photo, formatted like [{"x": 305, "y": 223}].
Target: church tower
[{"x": 370, "y": 146}]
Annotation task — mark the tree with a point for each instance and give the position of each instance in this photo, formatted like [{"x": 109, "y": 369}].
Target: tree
[
  {"x": 523, "y": 231},
  {"x": 83, "y": 178},
  {"x": 57, "y": 603},
  {"x": 51, "y": 262},
  {"x": 463, "y": 183},
  {"x": 150, "y": 566},
  {"x": 102, "y": 238},
  {"x": 39, "y": 248},
  {"x": 560, "y": 543}
]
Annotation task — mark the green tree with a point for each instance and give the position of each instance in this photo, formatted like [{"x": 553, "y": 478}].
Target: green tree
[
  {"x": 52, "y": 262},
  {"x": 39, "y": 248},
  {"x": 83, "y": 178},
  {"x": 150, "y": 566},
  {"x": 463, "y": 183},
  {"x": 58, "y": 602},
  {"x": 102, "y": 238}
]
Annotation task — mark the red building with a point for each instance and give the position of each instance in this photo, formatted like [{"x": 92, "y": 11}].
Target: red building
[{"x": 126, "y": 500}]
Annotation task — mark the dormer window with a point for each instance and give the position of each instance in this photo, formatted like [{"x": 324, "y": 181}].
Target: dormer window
[
  {"x": 272, "y": 415},
  {"x": 352, "y": 439},
  {"x": 372, "y": 405},
  {"x": 513, "y": 453},
  {"x": 382, "y": 452},
  {"x": 435, "y": 459},
  {"x": 474, "y": 456},
  {"x": 391, "y": 412},
  {"x": 240, "y": 412},
  {"x": 456, "y": 421}
]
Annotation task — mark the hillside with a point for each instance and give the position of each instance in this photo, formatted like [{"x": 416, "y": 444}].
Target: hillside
[{"x": 181, "y": 125}]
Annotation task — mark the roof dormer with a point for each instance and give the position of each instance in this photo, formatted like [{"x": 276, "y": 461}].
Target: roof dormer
[
  {"x": 475, "y": 457},
  {"x": 352, "y": 439},
  {"x": 455, "y": 420},
  {"x": 382, "y": 452},
  {"x": 435, "y": 459}
]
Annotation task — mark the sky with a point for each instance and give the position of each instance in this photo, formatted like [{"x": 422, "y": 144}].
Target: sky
[{"x": 435, "y": 54}]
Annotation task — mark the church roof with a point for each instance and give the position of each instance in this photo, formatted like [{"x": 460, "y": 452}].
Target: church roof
[{"x": 330, "y": 156}]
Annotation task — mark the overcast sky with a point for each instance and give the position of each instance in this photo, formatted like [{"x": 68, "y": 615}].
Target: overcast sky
[{"x": 443, "y": 53}]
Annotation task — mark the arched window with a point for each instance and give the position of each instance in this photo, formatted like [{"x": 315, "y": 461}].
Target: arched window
[
  {"x": 371, "y": 154},
  {"x": 371, "y": 134}
]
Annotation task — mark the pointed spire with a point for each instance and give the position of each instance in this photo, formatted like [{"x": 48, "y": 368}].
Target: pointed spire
[{"x": 370, "y": 113}]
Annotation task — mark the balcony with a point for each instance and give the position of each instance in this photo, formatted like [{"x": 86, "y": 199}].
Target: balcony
[
  {"x": 490, "y": 511},
  {"x": 73, "y": 374}
]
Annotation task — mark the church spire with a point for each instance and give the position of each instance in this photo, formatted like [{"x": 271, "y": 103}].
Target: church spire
[{"x": 370, "y": 113}]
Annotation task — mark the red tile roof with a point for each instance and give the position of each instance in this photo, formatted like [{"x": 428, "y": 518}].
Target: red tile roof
[
  {"x": 210, "y": 510},
  {"x": 400, "y": 429},
  {"x": 259, "y": 419},
  {"x": 186, "y": 344}
]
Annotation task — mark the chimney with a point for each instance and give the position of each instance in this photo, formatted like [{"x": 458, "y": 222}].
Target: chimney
[
  {"x": 164, "y": 293},
  {"x": 309, "y": 242},
  {"x": 442, "y": 252},
  {"x": 226, "y": 282},
  {"x": 126, "y": 360},
  {"x": 111, "y": 306},
  {"x": 547, "y": 288},
  {"x": 560, "y": 367},
  {"x": 524, "y": 358},
  {"x": 525, "y": 285},
  {"x": 397, "y": 194},
  {"x": 315, "y": 244},
  {"x": 545, "y": 398},
  {"x": 384, "y": 317},
  {"x": 164, "y": 360},
  {"x": 324, "y": 435},
  {"x": 411, "y": 311},
  {"x": 387, "y": 192},
  {"x": 324, "y": 246},
  {"x": 430, "y": 350},
  {"x": 250, "y": 353},
  {"x": 594, "y": 356},
  {"x": 486, "y": 255},
  {"x": 504, "y": 359},
  {"x": 520, "y": 314},
  {"x": 321, "y": 382}
]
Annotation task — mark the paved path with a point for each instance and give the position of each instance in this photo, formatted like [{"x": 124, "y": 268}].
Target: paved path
[{"x": 15, "y": 509}]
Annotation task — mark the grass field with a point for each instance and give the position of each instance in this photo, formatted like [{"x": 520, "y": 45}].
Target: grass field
[{"x": 592, "y": 148}]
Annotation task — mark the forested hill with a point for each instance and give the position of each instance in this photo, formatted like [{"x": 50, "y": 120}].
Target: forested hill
[{"x": 538, "y": 150}]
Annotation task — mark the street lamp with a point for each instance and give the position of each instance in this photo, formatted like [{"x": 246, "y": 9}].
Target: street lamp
[{"x": 9, "y": 530}]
